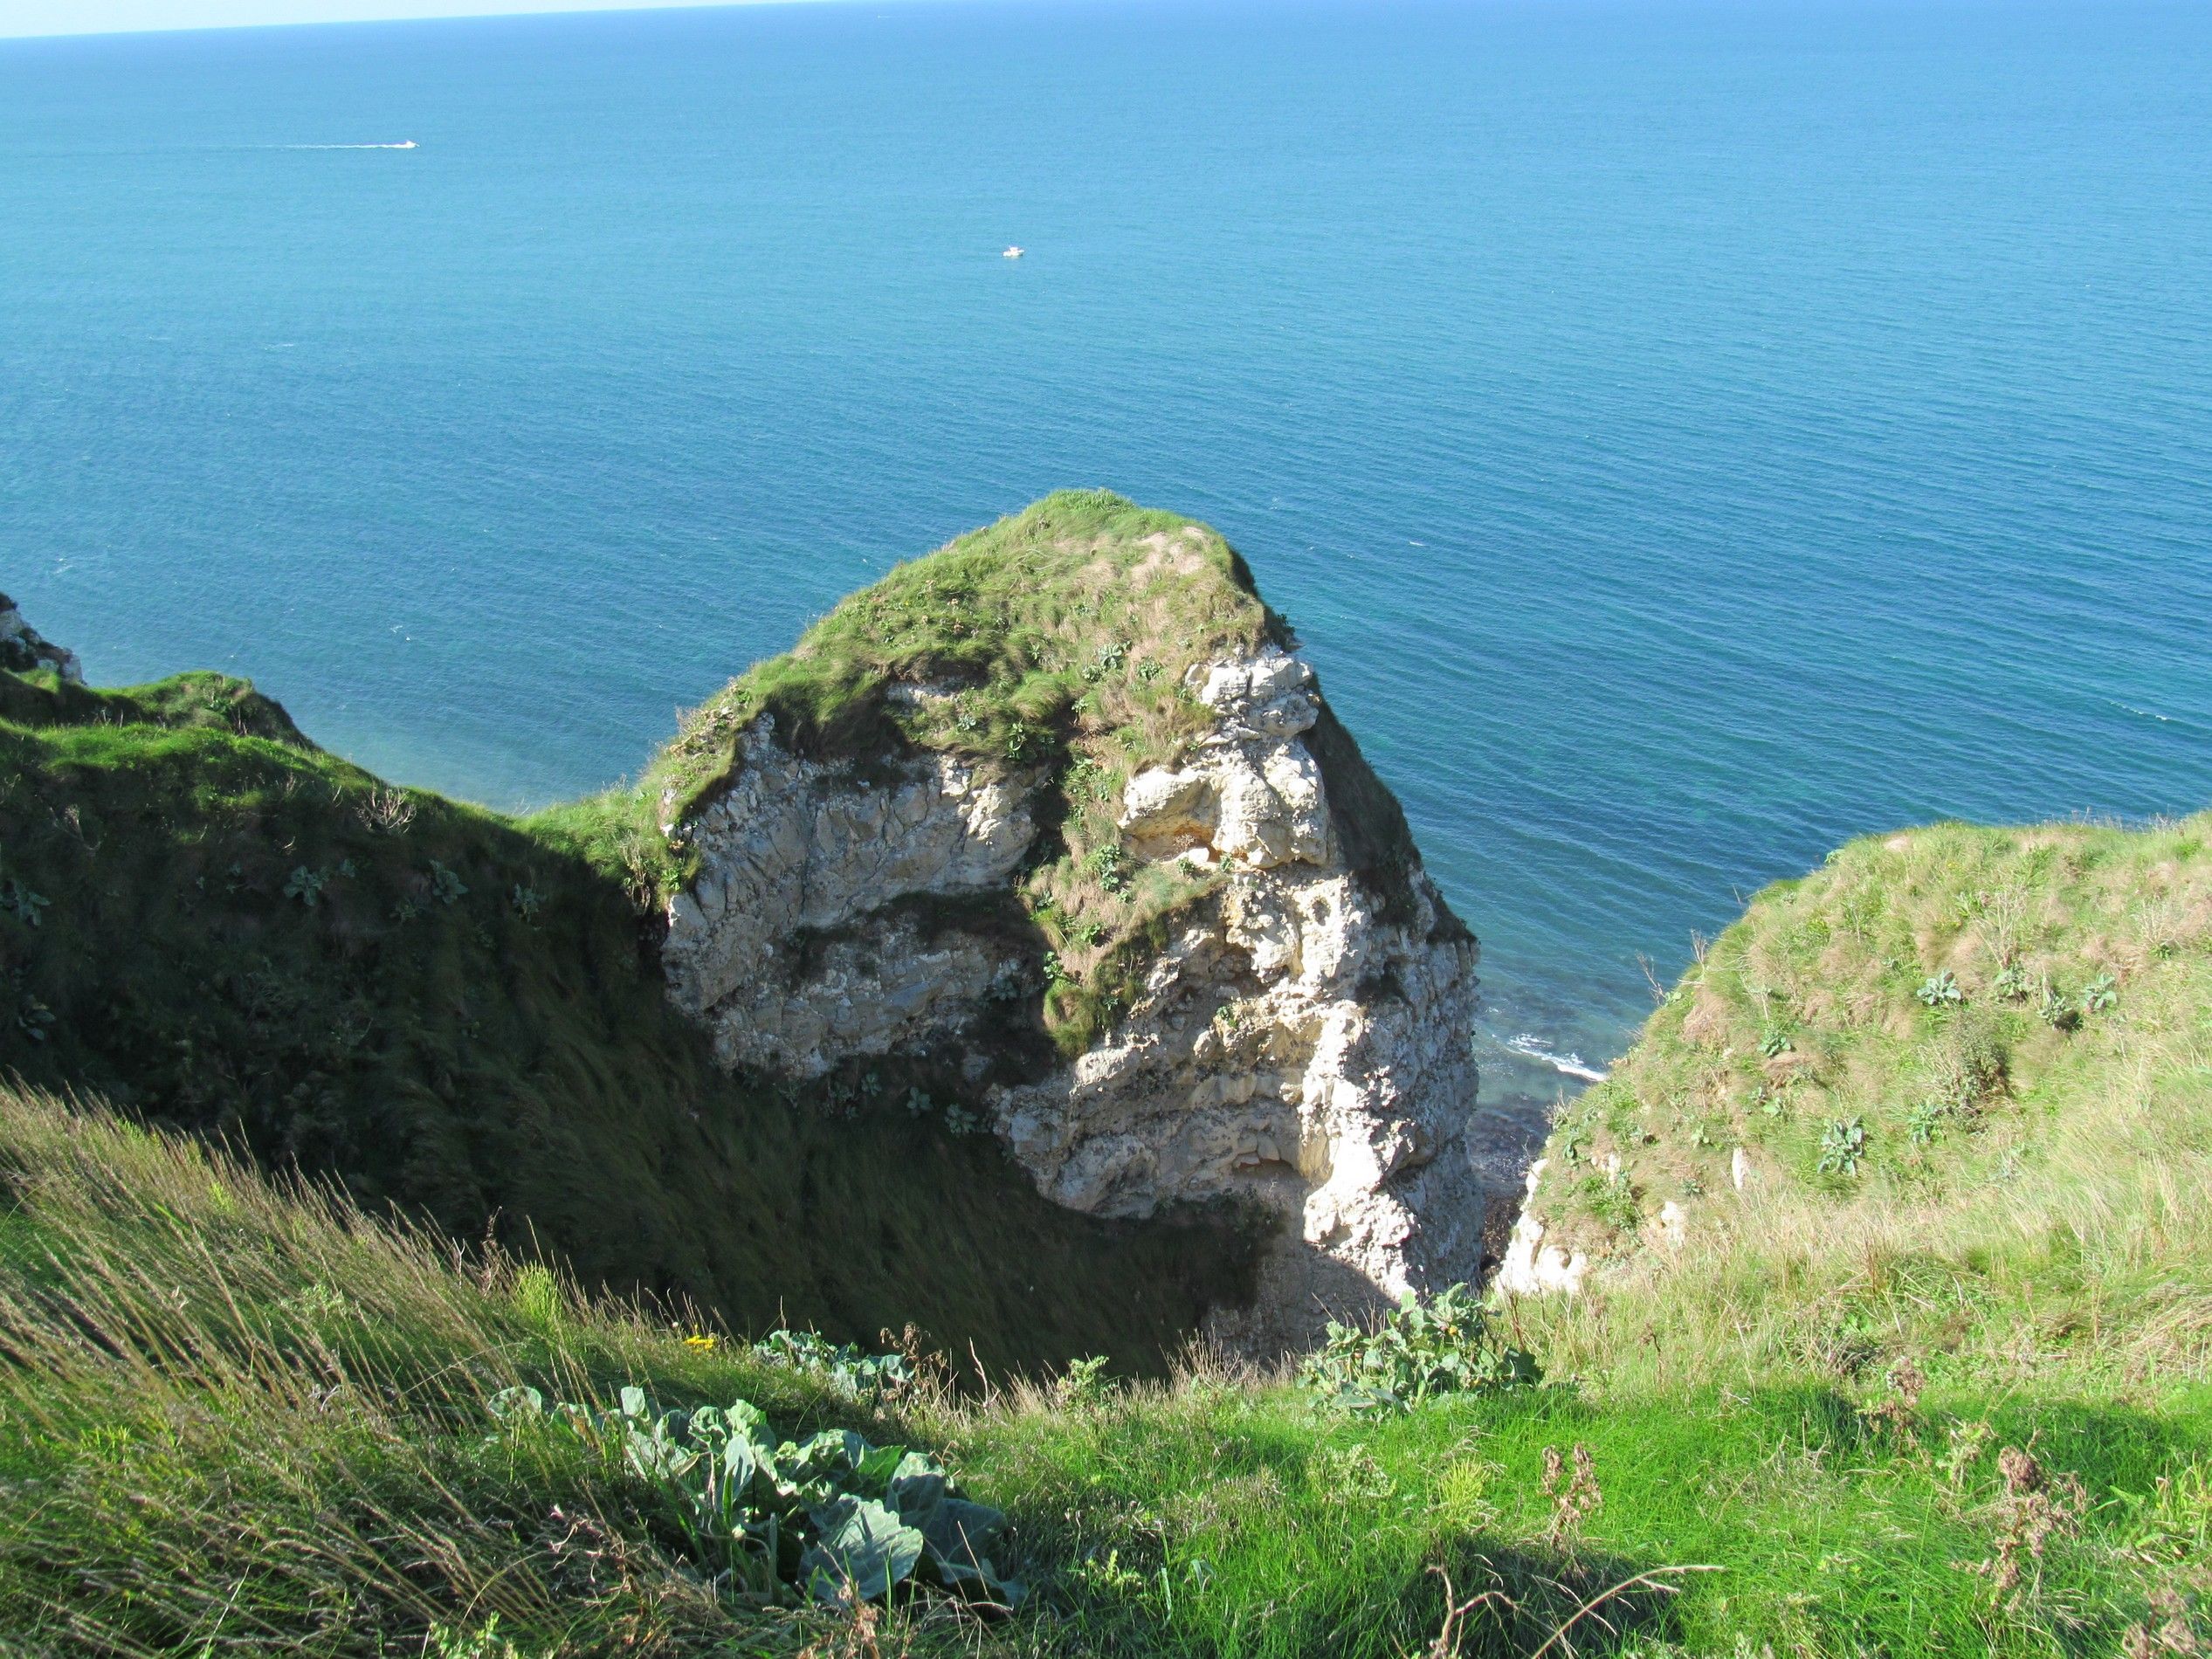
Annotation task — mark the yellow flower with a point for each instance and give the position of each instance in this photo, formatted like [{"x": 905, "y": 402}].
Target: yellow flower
[{"x": 704, "y": 1344}]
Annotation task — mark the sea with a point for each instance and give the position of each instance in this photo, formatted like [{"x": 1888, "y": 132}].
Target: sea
[{"x": 1684, "y": 435}]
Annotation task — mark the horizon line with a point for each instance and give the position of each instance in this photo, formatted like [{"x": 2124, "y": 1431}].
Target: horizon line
[{"x": 373, "y": 15}]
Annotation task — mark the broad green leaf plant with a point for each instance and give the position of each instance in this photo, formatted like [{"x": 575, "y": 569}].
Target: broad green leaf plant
[
  {"x": 834, "y": 1518},
  {"x": 1417, "y": 1353}
]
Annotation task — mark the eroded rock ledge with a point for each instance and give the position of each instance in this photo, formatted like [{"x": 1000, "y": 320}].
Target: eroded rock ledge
[
  {"x": 25, "y": 650},
  {"x": 1297, "y": 1036}
]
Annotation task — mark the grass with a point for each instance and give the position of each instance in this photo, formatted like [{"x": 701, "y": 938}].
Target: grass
[
  {"x": 1074, "y": 619},
  {"x": 238, "y": 1415},
  {"x": 2029, "y": 1189},
  {"x": 1936, "y": 1381},
  {"x": 208, "y": 922}
]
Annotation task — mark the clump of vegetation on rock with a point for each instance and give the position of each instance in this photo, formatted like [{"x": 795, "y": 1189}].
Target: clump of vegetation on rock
[
  {"x": 1060, "y": 645},
  {"x": 1020, "y": 644}
]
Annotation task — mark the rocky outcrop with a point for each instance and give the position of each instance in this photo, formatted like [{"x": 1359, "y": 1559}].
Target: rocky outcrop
[
  {"x": 1291, "y": 1046},
  {"x": 1300, "y": 1043},
  {"x": 24, "y": 650},
  {"x": 1251, "y": 795},
  {"x": 1529, "y": 1266}
]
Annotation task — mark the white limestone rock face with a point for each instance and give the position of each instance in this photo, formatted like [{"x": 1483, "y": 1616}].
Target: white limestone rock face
[
  {"x": 1294, "y": 1046},
  {"x": 1531, "y": 1267},
  {"x": 1252, "y": 794},
  {"x": 788, "y": 944}
]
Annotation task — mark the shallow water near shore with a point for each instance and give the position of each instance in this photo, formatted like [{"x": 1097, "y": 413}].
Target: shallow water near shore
[{"x": 1685, "y": 436}]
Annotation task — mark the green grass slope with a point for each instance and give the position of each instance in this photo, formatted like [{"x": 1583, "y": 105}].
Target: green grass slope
[
  {"x": 207, "y": 921},
  {"x": 238, "y": 1416},
  {"x": 1969, "y": 1072}
]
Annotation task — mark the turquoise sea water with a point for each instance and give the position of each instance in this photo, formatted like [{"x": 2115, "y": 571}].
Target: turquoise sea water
[{"x": 1686, "y": 436}]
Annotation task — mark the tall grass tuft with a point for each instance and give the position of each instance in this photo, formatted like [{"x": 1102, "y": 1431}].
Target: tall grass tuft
[{"x": 235, "y": 1414}]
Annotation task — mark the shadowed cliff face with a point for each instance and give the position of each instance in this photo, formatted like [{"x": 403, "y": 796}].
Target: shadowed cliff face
[
  {"x": 208, "y": 922},
  {"x": 1175, "y": 947}
]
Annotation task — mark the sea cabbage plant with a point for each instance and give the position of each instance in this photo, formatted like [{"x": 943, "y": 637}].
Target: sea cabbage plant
[
  {"x": 866, "y": 1377},
  {"x": 1940, "y": 990},
  {"x": 1842, "y": 1144},
  {"x": 834, "y": 1517},
  {"x": 1416, "y": 1353}
]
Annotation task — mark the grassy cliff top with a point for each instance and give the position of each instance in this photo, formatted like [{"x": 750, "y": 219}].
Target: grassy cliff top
[
  {"x": 1053, "y": 644},
  {"x": 1067, "y": 623},
  {"x": 1967, "y": 1076}
]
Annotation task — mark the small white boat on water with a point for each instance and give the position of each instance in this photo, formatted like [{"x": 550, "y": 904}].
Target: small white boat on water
[{"x": 1011, "y": 253}]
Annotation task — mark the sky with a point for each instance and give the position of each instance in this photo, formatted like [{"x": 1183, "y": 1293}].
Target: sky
[{"x": 105, "y": 17}]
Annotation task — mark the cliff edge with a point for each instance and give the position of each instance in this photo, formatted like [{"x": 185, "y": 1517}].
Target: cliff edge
[
  {"x": 1029, "y": 953},
  {"x": 24, "y": 650},
  {"x": 1940, "y": 1042}
]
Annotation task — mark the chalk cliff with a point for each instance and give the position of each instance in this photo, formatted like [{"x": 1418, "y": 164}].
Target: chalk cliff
[{"x": 1103, "y": 868}]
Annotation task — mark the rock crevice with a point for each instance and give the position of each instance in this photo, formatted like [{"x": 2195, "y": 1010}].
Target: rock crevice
[{"x": 796, "y": 854}]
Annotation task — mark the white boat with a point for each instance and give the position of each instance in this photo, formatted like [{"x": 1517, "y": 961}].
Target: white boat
[
  {"x": 409, "y": 145},
  {"x": 1011, "y": 253}
]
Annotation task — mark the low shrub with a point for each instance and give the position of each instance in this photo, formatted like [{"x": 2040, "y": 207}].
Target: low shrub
[{"x": 866, "y": 1377}]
